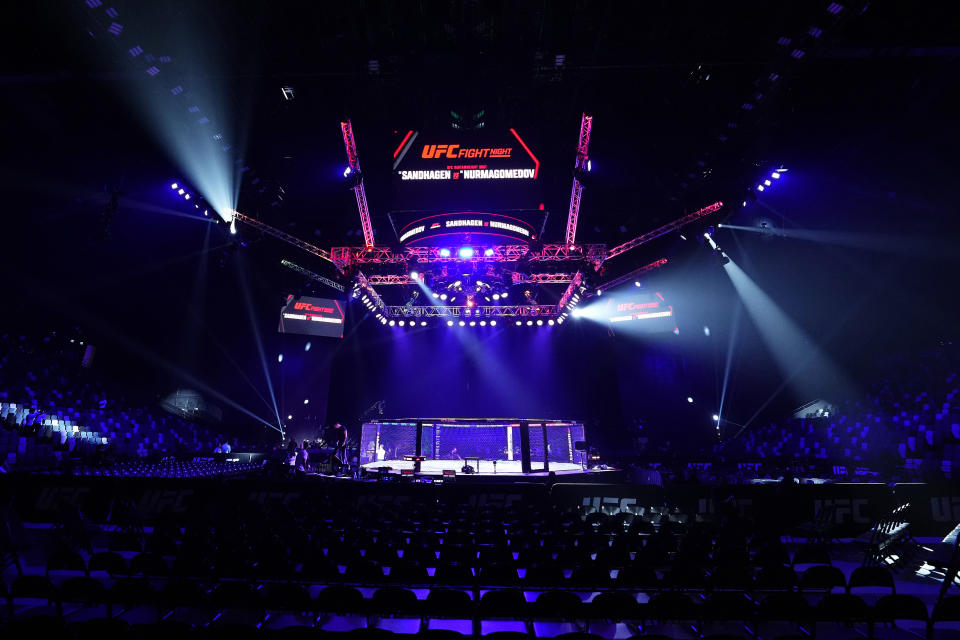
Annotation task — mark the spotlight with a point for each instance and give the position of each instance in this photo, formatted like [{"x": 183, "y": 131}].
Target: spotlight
[
  {"x": 775, "y": 175},
  {"x": 436, "y": 295},
  {"x": 392, "y": 322},
  {"x": 289, "y": 417},
  {"x": 496, "y": 296},
  {"x": 716, "y": 418},
  {"x": 560, "y": 320},
  {"x": 766, "y": 183},
  {"x": 346, "y": 172},
  {"x": 589, "y": 165},
  {"x": 539, "y": 323},
  {"x": 383, "y": 320},
  {"x": 576, "y": 313},
  {"x": 636, "y": 283},
  {"x": 174, "y": 186},
  {"x": 706, "y": 331},
  {"x": 306, "y": 401},
  {"x": 280, "y": 358},
  {"x": 180, "y": 191},
  {"x": 462, "y": 323},
  {"x": 444, "y": 253},
  {"x": 483, "y": 323},
  {"x": 519, "y": 323},
  {"x": 306, "y": 347},
  {"x": 503, "y": 295},
  {"x": 689, "y": 399},
  {"x": 449, "y": 323},
  {"x": 529, "y": 323},
  {"x": 599, "y": 292},
  {"x": 466, "y": 252},
  {"x": 550, "y": 322},
  {"x": 443, "y": 296},
  {"x": 759, "y": 187},
  {"x": 401, "y": 323},
  {"x": 414, "y": 275},
  {"x": 423, "y": 323},
  {"x": 493, "y": 323},
  {"x": 206, "y": 213},
  {"x": 473, "y": 323},
  {"x": 488, "y": 252},
  {"x": 186, "y": 196},
  {"x": 233, "y": 226}
]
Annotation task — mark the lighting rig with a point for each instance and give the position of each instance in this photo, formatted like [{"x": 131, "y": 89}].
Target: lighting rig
[{"x": 470, "y": 284}]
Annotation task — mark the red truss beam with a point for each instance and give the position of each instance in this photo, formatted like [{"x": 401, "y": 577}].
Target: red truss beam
[
  {"x": 390, "y": 279},
  {"x": 574, "y": 284},
  {"x": 475, "y": 313},
  {"x": 592, "y": 253},
  {"x": 583, "y": 146},
  {"x": 542, "y": 278},
  {"x": 665, "y": 229},
  {"x": 280, "y": 235},
  {"x": 632, "y": 275},
  {"x": 366, "y": 288},
  {"x": 354, "y": 161}
]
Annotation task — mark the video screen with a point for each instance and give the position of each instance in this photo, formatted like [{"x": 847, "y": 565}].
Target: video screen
[
  {"x": 312, "y": 317},
  {"x": 642, "y": 311}
]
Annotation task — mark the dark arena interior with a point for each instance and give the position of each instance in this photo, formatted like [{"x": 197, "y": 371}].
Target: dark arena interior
[{"x": 480, "y": 319}]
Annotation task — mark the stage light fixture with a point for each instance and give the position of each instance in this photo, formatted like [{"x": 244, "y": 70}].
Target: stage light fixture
[
  {"x": 689, "y": 399},
  {"x": 180, "y": 191},
  {"x": 186, "y": 196},
  {"x": 449, "y": 323},
  {"x": 414, "y": 275},
  {"x": 488, "y": 252},
  {"x": 519, "y": 323},
  {"x": 306, "y": 347},
  {"x": 466, "y": 252},
  {"x": 767, "y": 183},
  {"x": 775, "y": 175},
  {"x": 550, "y": 322},
  {"x": 444, "y": 253},
  {"x": 759, "y": 187},
  {"x": 401, "y": 323},
  {"x": 576, "y": 313},
  {"x": 560, "y": 320},
  {"x": 443, "y": 296},
  {"x": 435, "y": 294},
  {"x": 462, "y": 323},
  {"x": 706, "y": 331},
  {"x": 280, "y": 358},
  {"x": 473, "y": 323},
  {"x": 539, "y": 323},
  {"x": 423, "y": 323},
  {"x": 392, "y": 322},
  {"x": 483, "y": 323},
  {"x": 529, "y": 323},
  {"x": 496, "y": 296},
  {"x": 599, "y": 292},
  {"x": 206, "y": 212},
  {"x": 233, "y": 226},
  {"x": 493, "y": 323},
  {"x": 503, "y": 295},
  {"x": 306, "y": 401},
  {"x": 383, "y": 321},
  {"x": 289, "y": 417},
  {"x": 716, "y": 418},
  {"x": 637, "y": 283},
  {"x": 346, "y": 172},
  {"x": 174, "y": 186}
]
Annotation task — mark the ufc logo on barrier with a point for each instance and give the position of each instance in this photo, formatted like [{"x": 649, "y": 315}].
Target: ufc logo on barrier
[
  {"x": 160, "y": 500},
  {"x": 945, "y": 509},
  {"x": 51, "y": 496},
  {"x": 843, "y": 507}
]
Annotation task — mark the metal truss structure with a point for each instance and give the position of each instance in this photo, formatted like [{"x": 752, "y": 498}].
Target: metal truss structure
[
  {"x": 665, "y": 229},
  {"x": 542, "y": 278},
  {"x": 627, "y": 277},
  {"x": 367, "y": 289},
  {"x": 583, "y": 145},
  {"x": 354, "y": 161},
  {"x": 236, "y": 216},
  {"x": 344, "y": 257},
  {"x": 313, "y": 276},
  {"x": 473, "y": 313},
  {"x": 390, "y": 279},
  {"x": 575, "y": 283}
]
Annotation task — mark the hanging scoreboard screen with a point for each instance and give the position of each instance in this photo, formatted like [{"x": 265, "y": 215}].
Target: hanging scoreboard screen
[
  {"x": 312, "y": 317},
  {"x": 425, "y": 228},
  {"x": 641, "y": 311},
  {"x": 449, "y": 170}
]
